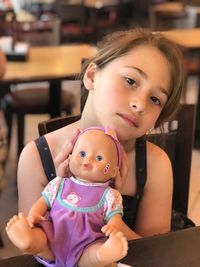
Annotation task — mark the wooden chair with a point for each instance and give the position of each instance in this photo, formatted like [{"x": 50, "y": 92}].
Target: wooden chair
[
  {"x": 31, "y": 99},
  {"x": 74, "y": 26},
  {"x": 169, "y": 15},
  {"x": 177, "y": 141}
]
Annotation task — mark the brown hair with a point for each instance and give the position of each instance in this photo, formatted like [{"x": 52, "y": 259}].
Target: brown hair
[{"x": 119, "y": 43}]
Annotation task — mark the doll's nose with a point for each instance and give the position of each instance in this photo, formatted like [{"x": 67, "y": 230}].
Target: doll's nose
[{"x": 87, "y": 164}]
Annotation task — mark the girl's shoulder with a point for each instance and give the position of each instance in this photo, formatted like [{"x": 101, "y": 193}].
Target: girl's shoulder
[
  {"x": 59, "y": 139},
  {"x": 159, "y": 166},
  {"x": 154, "y": 152}
]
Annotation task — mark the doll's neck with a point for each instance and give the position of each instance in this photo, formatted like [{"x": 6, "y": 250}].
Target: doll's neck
[{"x": 87, "y": 182}]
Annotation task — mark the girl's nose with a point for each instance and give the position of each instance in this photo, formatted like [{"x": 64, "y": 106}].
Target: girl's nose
[{"x": 138, "y": 106}]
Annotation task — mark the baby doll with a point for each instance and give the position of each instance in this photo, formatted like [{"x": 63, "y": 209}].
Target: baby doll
[{"x": 85, "y": 214}]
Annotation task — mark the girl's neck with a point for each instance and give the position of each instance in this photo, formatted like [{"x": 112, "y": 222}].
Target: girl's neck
[{"x": 129, "y": 146}]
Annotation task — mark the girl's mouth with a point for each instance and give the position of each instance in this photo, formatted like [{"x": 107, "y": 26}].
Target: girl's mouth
[{"x": 129, "y": 119}]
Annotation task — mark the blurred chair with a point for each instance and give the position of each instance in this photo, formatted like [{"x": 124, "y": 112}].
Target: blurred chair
[
  {"x": 74, "y": 26},
  {"x": 39, "y": 32},
  {"x": 31, "y": 100},
  {"x": 105, "y": 17},
  {"x": 177, "y": 140},
  {"x": 171, "y": 15}
]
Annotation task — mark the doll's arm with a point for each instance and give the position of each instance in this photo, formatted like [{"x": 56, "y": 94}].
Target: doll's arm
[
  {"x": 114, "y": 225},
  {"x": 113, "y": 212},
  {"x": 37, "y": 212}
]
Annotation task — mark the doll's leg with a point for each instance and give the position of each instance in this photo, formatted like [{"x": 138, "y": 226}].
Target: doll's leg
[
  {"x": 29, "y": 240},
  {"x": 100, "y": 255}
]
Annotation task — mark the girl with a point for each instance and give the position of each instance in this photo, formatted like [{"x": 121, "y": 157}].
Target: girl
[{"x": 134, "y": 83}]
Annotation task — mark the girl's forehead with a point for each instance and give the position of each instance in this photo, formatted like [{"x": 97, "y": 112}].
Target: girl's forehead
[
  {"x": 141, "y": 51},
  {"x": 137, "y": 55}
]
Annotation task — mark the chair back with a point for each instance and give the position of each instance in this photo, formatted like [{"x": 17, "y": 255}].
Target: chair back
[
  {"x": 177, "y": 140},
  {"x": 48, "y": 126}
]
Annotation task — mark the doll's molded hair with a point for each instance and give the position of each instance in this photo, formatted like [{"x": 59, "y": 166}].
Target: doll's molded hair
[{"x": 111, "y": 133}]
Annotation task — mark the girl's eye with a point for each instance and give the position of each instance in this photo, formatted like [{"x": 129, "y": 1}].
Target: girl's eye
[
  {"x": 99, "y": 157},
  {"x": 130, "y": 81},
  {"x": 82, "y": 154},
  {"x": 155, "y": 100}
]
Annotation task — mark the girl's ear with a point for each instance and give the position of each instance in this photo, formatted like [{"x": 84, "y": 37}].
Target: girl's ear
[{"x": 89, "y": 76}]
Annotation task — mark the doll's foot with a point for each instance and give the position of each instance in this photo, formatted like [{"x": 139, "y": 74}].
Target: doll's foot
[
  {"x": 114, "y": 249},
  {"x": 20, "y": 232}
]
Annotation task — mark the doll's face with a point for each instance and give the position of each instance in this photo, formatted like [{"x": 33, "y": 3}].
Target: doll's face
[{"x": 94, "y": 157}]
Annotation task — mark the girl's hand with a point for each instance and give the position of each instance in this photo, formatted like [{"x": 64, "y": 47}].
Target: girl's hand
[
  {"x": 62, "y": 159},
  {"x": 122, "y": 175}
]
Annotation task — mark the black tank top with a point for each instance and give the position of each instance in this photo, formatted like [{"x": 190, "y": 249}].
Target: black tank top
[{"x": 130, "y": 203}]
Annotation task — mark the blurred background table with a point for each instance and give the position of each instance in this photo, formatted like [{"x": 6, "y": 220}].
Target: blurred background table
[{"x": 53, "y": 64}]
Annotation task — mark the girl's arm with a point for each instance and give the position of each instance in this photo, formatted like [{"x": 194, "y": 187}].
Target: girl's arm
[
  {"x": 31, "y": 178},
  {"x": 154, "y": 214}
]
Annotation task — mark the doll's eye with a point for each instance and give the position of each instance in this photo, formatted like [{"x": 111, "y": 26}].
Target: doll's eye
[
  {"x": 82, "y": 154},
  {"x": 99, "y": 157}
]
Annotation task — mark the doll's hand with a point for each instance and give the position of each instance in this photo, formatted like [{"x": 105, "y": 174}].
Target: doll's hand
[
  {"x": 62, "y": 159},
  {"x": 109, "y": 229},
  {"x": 35, "y": 218},
  {"x": 122, "y": 175}
]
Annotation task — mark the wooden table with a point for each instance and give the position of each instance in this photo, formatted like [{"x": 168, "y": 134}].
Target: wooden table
[
  {"x": 190, "y": 40},
  {"x": 100, "y": 3},
  {"x": 52, "y": 64},
  {"x": 174, "y": 249}
]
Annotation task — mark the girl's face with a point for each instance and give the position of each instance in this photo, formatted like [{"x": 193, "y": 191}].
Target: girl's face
[
  {"x": 130, "y": 92},
  {"x": 94, "y": 157}
]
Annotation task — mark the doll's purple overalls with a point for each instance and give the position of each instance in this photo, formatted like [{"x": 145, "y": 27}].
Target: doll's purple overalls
[{"x": 77, "y": 213}]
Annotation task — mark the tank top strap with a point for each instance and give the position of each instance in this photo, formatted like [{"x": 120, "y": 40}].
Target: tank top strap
[
  {"x": 131, "y": 203},
  {"x": 141, "y": 165},
  {"x": 46, "y": 157}
]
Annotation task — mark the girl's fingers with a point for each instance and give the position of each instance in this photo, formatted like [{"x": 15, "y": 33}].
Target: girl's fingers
[
  {"x": 64, "y": 154},
  {"x": 63, "y": 168},
  {"x": 75, "y": 135}
]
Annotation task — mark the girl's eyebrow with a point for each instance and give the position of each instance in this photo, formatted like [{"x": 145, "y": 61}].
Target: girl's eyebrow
[{"x": 142, "y": 73}]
